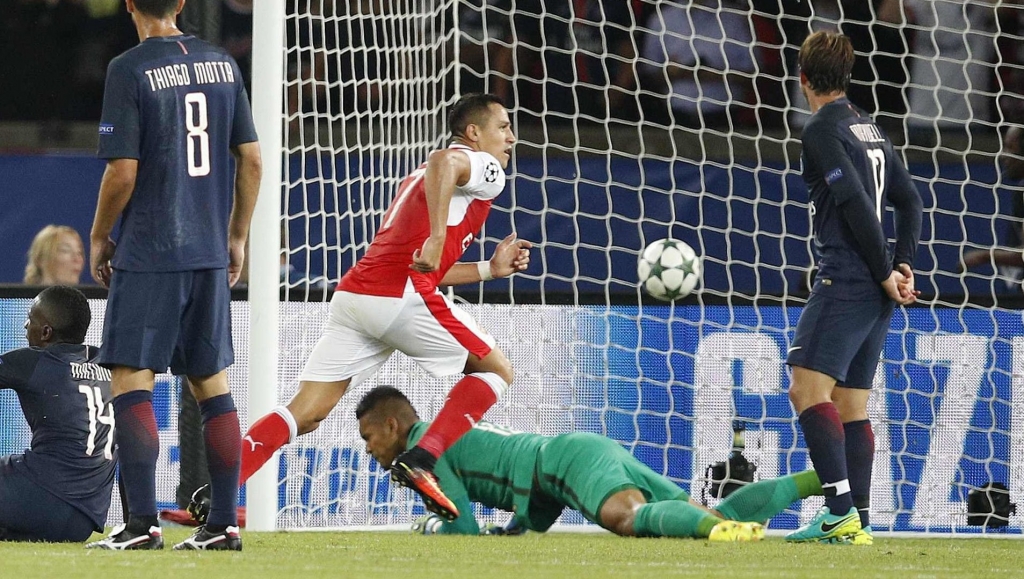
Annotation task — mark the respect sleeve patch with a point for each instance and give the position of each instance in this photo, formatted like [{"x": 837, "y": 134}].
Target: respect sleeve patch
[{"x": 833, "y": 175}]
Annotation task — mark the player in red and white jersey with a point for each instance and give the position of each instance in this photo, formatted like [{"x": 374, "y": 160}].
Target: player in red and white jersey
[
  {"x": 386, "y": 269},
  {"x": 389, "y": 301}
]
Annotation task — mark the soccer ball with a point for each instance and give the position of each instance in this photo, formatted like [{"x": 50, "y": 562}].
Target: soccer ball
[{"x": 668, "y": 269}]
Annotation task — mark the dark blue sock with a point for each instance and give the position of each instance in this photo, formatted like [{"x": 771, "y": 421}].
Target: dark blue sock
[
  {"x": 826, "y": 443},
  {"x": 860, "y": 457},
  {"x": 223, "y": 439},
  {"x": 138, "y": 447}
]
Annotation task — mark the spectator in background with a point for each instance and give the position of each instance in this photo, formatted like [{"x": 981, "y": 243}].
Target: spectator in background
[
  {"x": 311, "y": 41},
  {"x": 951, "y": 63},
  {"x": 1009, "y": 260},
  {"x": 573, "y": 58},
  {"x": 704, "y": 50},
  {"x": 236, "y": 35},
  {"x": 38, "y": 40},
  {"x": 56, "y": 257},
  {"x": 485, "y": 46},
  {"x": 105, "y": 32},
  {"x": 874, "y": 29},
  {"x": 226, "y": 23}
]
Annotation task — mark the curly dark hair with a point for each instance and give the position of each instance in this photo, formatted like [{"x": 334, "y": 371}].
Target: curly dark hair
[
  {"x": 68, "y": 312},
  {"x": 386, "y": 397}
]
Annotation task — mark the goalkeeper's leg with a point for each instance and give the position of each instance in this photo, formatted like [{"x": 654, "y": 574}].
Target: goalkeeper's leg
[
  {"x": 628, "y": 514},
  {"x": 764, "y": 499}
]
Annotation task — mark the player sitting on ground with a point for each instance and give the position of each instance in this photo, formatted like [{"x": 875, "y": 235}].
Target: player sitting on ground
[
  {"x": 59, "y": 489},
  {"x": 538, "y": 476}
]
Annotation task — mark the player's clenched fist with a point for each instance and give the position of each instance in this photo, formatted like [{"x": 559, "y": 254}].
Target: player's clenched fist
[
  {"x": 511, "y": 256},
  {"x": 100, "y": 255}
]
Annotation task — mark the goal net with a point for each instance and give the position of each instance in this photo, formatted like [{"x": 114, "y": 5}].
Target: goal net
[{"x": 640, "y": 120}]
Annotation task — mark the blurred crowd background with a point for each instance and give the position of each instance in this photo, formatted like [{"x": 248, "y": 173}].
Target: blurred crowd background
[
  {"x": 943, "y": 76},
  {"x": 689, "y": 62}
]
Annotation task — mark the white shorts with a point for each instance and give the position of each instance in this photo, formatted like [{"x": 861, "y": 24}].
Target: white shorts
[{"x": 363, "y": 331}]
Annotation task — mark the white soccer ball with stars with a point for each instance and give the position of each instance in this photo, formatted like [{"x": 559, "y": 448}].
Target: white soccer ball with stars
[{"x": 669, "y": 269}]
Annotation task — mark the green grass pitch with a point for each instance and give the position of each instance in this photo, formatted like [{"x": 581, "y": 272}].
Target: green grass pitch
[{"x": 555, "y": 555}]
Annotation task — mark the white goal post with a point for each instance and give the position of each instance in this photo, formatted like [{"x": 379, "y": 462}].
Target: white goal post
[{"x": 680, "y": 119}]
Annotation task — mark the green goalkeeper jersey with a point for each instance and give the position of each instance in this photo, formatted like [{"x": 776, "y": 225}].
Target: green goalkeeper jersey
[{"x": 490, "y": 465}]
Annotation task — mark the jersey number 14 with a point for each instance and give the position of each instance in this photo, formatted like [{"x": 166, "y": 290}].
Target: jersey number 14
[{"x": 94, "y": 400}]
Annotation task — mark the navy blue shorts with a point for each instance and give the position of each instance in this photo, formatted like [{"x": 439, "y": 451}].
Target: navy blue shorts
[
  {"x": 30, "y": 513},
  {"x": 179, "y": 319},
  {"x": 842, "y": 338}
]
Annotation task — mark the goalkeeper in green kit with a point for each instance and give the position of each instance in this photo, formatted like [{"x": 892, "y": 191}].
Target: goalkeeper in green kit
[{"x": 536, "y": 477}]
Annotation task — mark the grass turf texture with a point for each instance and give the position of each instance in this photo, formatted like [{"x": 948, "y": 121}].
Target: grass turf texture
[{"x": 307, "y": 555}]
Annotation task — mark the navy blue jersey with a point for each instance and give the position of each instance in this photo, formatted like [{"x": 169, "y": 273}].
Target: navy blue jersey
[
  {"x": 178, "y": 105},
  {"x": 852, "y": 173},
  {"x": 66, "y": 401}
]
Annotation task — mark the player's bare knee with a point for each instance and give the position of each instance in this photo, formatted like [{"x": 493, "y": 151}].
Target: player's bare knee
[
  {"x": 618, "y": 513},
  {"x": 619, "y": 519},
  {"x": 307, "y": 426},
  {"x": 796, "y": 396}
]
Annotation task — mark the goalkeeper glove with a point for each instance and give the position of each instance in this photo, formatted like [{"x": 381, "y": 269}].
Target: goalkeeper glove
[
  {"x": 427, "y": 525},
  {"x": 512, "y": 529}
]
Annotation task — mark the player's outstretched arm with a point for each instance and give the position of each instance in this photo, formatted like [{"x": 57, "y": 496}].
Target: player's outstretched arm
[
  {"x": 446, "y": 170},
  {"x": 115, "y": 190},
  {"x": 248, "y": 172},
  {"x": 511, "y": 256}
]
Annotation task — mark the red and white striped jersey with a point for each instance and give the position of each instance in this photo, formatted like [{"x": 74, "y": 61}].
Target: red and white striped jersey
[{"x": 384, "y": 270}]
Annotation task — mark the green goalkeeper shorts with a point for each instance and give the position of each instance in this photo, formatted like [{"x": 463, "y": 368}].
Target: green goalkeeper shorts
[{"x": 581, "y": 470}]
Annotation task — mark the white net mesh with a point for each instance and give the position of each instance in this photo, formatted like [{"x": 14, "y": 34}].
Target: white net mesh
[
  {"x": 640, "y": 120},
  {"x": 367, "y": 83}
]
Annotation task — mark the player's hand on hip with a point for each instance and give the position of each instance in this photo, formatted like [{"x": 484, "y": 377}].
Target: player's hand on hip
[
  {"x": 428, "y": 258},
  {"x": 100, "y": 254},
  {"x": 236, "y": 251},
  {"x": 511, "y": 256}
]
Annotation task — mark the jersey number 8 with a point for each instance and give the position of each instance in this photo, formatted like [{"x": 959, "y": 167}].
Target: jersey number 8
[{"x": 196, "y": 123}]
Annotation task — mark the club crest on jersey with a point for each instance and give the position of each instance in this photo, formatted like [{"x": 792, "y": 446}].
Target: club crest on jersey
[
  {"x": 491, "y": 172},
  {"x": 106, "y": 129},
  {"x": 833, "y": 175}
]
